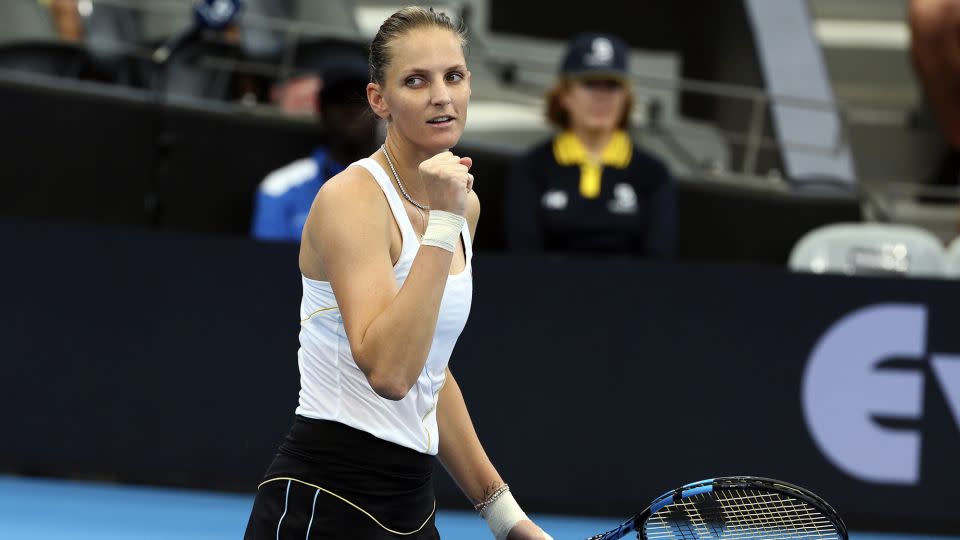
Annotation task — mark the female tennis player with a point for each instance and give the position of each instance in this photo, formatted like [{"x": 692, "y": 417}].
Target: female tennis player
[{"x": 387, "y": 286}]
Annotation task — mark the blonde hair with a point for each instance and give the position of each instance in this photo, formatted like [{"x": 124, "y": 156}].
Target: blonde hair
[{"x": 398, "y": 24}]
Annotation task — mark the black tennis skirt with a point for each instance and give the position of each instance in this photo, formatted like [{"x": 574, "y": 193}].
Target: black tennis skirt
[{"x": 333, "y": 481}]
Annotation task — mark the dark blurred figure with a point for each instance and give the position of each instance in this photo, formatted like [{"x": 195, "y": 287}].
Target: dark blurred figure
[
  {"x": 935, "y": 49},
  {"x": 591, "y": 188},
  {"x": 285, "y": 195},
  {"x": 114, "y": 36}
]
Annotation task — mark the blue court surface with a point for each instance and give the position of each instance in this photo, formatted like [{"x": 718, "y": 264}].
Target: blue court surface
[{"x": 46, "y": 509}]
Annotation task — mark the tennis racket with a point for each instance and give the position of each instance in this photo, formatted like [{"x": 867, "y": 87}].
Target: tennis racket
[{"x": 737, "y": 508}]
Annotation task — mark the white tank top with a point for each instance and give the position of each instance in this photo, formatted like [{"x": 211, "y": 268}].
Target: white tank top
[{"x": 332, "y": 387}]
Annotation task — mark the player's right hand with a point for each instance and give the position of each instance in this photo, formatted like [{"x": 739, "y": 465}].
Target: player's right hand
[{"x": 447, "y": 179}]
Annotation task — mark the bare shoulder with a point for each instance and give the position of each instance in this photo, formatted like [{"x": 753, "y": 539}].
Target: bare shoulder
[
  {"x": 353, "y": 186},
  {"x": 352, "y": 195},
  {"x": 472, "y": 213},
  {"x": 348, "y": 205}
]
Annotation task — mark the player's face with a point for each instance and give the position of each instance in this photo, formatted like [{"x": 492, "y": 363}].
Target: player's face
[
  {"x": 595, "y": 104},
  {"x": 426, "y": 88}
]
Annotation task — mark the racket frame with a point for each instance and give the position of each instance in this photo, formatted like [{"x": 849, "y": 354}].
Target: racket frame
[{"x": 726, "y": 483}]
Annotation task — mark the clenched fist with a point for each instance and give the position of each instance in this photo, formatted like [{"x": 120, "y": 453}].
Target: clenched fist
[{"x": 447, "y": 179}]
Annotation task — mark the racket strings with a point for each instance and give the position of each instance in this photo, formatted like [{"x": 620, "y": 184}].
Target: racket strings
[
  {"x": 748, "y": 526},
  {"x": 774, "y": 511},
  {"x": 739, "y": 515}
]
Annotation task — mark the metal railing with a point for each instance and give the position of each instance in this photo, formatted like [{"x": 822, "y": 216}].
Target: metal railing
[{"x": 753, "y": 139}]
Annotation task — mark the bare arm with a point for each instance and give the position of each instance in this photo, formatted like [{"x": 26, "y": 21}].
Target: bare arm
[
  {"x": 463, "y": 457},
  {"x": 461, "y": 453},
  {"x": 935, "y": 50},
  {"x": 66, "y": 18},
  {"x": 390, "y": 328},
  {"x": 460, "y": 450}
]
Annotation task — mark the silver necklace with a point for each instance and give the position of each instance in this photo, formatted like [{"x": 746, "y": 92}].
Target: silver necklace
[{"x": 396, "y": 177}]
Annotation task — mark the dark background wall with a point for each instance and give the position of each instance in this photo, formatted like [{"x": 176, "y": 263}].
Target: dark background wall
[{"x": 170, "y": 358}]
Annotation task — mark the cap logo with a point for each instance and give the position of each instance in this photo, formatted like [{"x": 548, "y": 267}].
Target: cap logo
[{"x": 601, "y": 53}]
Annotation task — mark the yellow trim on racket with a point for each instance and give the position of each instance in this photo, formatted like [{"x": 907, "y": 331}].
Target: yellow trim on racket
[{"x": 368, "y": 514}]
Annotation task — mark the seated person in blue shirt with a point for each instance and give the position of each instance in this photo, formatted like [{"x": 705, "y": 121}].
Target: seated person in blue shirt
[
  {"x": 590, "y": 188},
  {"x": 285, "y": 195}
]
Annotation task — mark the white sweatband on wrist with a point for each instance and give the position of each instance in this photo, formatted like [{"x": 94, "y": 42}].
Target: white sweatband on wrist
[
  {"x": 443, "y": 230},
  {"x": 502, "y": 514}
]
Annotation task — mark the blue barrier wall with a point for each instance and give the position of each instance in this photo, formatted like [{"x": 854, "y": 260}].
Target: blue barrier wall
[{"x": 170, "y": 358}]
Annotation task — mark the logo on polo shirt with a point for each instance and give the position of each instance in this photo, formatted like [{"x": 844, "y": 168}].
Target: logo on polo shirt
[
  {"x": 624, "y": 200},
  {"x": 555, "y": 199},
  {"x": 601, "y": 53}
]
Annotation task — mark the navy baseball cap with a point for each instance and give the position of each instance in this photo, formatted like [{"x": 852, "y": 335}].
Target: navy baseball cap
[
  {"x": 345, "y": 79},
  {"x": 216, "y": 14},
  {"x": 595, "y": 55}
]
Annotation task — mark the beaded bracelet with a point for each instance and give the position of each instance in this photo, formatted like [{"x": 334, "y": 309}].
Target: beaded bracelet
[{"x": 497, "y": 493}]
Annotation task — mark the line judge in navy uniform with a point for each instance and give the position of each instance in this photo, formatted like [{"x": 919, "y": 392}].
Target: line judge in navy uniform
[{"x": 590, "y": 188}]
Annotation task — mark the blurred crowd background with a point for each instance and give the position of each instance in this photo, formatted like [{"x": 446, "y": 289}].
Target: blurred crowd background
[{"x": 773, "y": 120}]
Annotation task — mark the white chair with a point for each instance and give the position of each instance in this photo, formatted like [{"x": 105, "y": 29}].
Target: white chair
[
  {"x": 951, "y": 263},
  {"x": 869, "y": 249}
]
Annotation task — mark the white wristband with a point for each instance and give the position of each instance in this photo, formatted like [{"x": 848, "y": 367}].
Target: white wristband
[
  {"x": 443, "y": 230},
  {"x": 502, "y": 514}
]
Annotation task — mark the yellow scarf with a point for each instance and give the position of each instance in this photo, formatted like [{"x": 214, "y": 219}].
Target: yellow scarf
[{"x": 568, "y": 150}]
